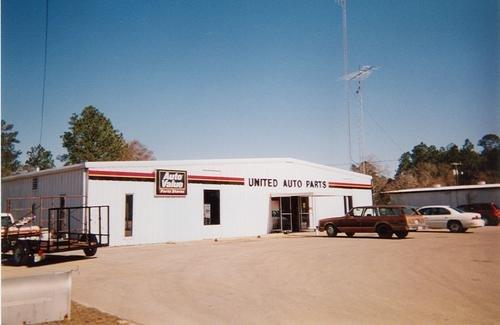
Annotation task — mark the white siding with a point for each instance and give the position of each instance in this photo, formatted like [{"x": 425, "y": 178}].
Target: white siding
[{"x": 244, "y": 209}]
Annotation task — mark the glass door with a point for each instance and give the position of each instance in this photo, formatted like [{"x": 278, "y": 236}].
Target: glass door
[
  {"x": 304, "y": 212},
  {"x": 275, "y": 214},
  {"x": 286, "y": 214}
]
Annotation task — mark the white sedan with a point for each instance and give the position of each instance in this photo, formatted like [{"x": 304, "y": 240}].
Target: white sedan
[{"x": 442, "y": 216}]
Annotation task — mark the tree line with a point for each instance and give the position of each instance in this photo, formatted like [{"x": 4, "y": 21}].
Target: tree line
[
  {"x": 426, "y": 165},
  {"x": 90, "y": 137}
]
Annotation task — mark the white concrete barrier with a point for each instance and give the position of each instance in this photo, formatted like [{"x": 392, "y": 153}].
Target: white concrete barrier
[{"x": 35, "y": 299}]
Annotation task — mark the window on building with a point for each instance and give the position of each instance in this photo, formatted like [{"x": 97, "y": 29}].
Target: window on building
[
  {"x": 347, "y": 204},
  {"x": 129, "y": 214},
  {"x": 211, "y": 207},
  {"x": 34, "y": 183}
]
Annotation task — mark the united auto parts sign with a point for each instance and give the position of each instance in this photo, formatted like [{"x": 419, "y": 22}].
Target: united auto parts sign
[{"x": 170, "y": 182}]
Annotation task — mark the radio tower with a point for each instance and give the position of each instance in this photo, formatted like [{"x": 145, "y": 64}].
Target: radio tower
[{"x": 347, "y": 83}]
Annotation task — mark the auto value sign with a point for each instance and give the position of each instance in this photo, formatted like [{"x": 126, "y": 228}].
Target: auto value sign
[{"x": 170, "y": 182}]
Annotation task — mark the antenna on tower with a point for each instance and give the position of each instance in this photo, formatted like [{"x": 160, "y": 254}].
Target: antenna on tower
[{"x": 360, "y": 75}]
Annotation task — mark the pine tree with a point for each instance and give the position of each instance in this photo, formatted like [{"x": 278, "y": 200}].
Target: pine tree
[
  {"x": 92, "y": 137},
  {"x": 39, "y": 157},
  {"x": 10, "y": 163}
]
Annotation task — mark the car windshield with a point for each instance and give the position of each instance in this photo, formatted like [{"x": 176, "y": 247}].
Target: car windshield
[
  {"x": 6, "y": 221},
  {"x": 458, "y": 210}
]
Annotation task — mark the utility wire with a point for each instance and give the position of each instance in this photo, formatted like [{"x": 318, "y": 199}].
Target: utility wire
[
  {"x": 385, "y": 132},
  {"x": 44, "y": 68}
]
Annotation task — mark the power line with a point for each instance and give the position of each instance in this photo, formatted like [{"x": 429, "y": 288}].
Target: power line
[
  {"x": 44, "y": 68},
  {"x": 385, "y": 132},
  {"x": 371, "y": 161}
]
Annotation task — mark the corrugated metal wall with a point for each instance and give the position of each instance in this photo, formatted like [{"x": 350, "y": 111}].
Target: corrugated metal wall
[
  {"x": 39, "y": 192},
  {"x": 450, "y": 197}
]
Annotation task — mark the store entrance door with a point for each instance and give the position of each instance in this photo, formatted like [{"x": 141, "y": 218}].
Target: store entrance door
[{"x": 290, "y": 213}]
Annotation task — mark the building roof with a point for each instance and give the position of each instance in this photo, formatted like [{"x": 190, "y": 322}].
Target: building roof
[
  {"x": 43, "y": 172},
  {"x": 445, "y": 188},
  {"x": 163, "y": 163}
]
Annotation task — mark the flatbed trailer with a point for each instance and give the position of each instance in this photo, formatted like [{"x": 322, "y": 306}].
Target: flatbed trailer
[{"x": 65, "y": 229}]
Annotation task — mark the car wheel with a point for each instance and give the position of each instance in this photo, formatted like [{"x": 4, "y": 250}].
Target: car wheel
[
  {"x": 350, "y": 234},
  {"x": 331, "y": 231},
  {"x": 402, "y": 234},
  {"x": 384, "y": 231},
  {"x": 455, "y": 226}
]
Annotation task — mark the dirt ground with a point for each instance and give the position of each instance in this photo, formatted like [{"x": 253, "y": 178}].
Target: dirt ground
[
  {"x": 433, "y": 276},
  {"x": 83, "y": 315}
]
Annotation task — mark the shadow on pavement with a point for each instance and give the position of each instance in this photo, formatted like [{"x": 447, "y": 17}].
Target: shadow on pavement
[{"x": 48, "y": 260}]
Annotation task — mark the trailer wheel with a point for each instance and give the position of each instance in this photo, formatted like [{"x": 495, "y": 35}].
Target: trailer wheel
[
  {"x": 20, "y": 253},
  {"x": 90, "y": 251},
  {"x": 92, "y": 248}
]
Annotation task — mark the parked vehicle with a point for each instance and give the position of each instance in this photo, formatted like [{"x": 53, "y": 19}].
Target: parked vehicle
[
  {"x": 385, "y": 220},
  {"x": 489, "y": 212},
  {"x": 442, "y": 217},
  {"x": 67, "y": 229}
]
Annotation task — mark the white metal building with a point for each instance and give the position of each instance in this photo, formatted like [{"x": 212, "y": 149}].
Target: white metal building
[
  {"x": 165, "y": 201},
  {"x": 447, "y": 195}
]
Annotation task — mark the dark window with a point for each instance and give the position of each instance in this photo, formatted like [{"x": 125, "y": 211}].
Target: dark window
[
  {"x": 211, "y": 207},
  {"x": 34, "y": 183},
  {"x": 6, "y": 222},
  {"x": 441, "y": 211},
  {"x": 388, "y": 212},
  {"x": 347, "y": 204},
  {"x": 425, "y": 211},
  {"x": 129, "y": 214}
]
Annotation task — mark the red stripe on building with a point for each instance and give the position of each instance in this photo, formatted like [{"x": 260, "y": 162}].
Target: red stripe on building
[
  {"x": 113, "y": 175},
  {"x": 349, "y": 185},
  {"x": 110, "y": 173},
  {"x": 216, "y": 179}
]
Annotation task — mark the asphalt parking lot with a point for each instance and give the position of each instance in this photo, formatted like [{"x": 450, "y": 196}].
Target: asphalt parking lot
[{"x": 433, "y": 276}]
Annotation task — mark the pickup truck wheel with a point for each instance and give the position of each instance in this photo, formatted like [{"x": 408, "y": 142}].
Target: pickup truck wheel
[
  {"x": 384, "y": 231},
  {"x": 402, "y": 234},
  {"x": 331, "y": 231},
  {"x": 20, "y": 254},
  {"x": 455, "y": 226},
  {"x": 350, "y": 234}
]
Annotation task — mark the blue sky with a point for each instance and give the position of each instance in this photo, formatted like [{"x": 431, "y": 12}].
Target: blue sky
[{"x": 236, "y": 79}]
